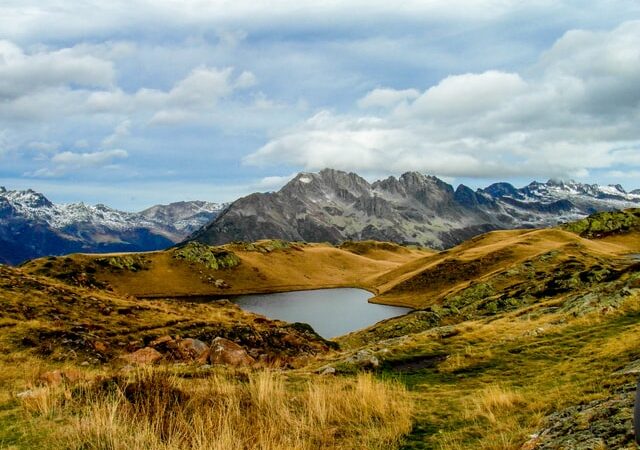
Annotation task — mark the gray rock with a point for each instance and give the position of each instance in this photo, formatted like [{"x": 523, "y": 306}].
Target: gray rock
[
  {"x": 606, "y": 423},
  {"x": 335, "y": 206},
  {"x": 364, "y": 359}
]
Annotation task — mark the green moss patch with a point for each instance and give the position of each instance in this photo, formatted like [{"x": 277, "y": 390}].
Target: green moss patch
[
  {"x": 606, "y": 223},
  {"x": 210, "y": 257}
]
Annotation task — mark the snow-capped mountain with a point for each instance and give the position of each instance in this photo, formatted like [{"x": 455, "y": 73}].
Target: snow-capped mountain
[
  {"x": 32, "y": 226},
  {"x": 335, "y": 206},
  {"x": 185, "y": 217}
]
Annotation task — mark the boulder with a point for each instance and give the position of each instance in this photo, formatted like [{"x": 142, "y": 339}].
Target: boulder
[
  {"x": 328, "y": 371},
  {"x": 364, "y": 359},
  {"x": 194, "y": 350},
  {"x": 224, "y": 351},
  {"x": 143, "y": 356},
  {"x": 161, "y": 340},
  {"x": 57, "y": 377}
]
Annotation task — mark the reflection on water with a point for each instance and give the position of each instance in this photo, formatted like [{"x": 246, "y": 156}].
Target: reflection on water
[{"x": 331, "y": 312}]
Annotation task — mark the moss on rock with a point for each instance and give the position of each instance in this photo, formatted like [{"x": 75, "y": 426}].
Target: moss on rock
[
  {"x": 210, "y": 257},
  {"x": 132, "y": 263},
  {"x": 606, "y": 223}
]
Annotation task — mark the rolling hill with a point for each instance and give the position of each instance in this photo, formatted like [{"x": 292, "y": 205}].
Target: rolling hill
[{"x": 519, "y": 339}]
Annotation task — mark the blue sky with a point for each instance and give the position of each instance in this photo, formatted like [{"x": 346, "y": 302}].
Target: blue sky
[{"x": 135, "y": 103}]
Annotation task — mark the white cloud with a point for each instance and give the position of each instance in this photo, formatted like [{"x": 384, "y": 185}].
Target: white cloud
[
  {"x": 81, "y": 160},
  {"x": 25, "y": 18},
  {"x": 387, "y": 98},
  {"x": 58, "y": 85},
  {"x": 70, "y": 162},
  {"x": 44, "y": 147},
  {"x": 562, "y": 118},
  {"x": 468, "y": 94},
  {"x": 273, "y": 183},
  {"x": 122, "y": 130},
  {"x": 22, "y": 74}
]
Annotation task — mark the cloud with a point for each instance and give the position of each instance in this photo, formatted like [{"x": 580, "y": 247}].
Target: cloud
[
  {"x": 25, "y": 18},
  {"x": 273, "y": 182},
  {"x": 70, "y": 82},
  {"x": 569, "y": 114},
  {"x": 22, "y": 74},
  {"x": 69, "y": 162},
  {"x": 387, "y": 98},
  {"x": 198, "y": 93},
  {"x": 122, "y": 130},
  {"x": 467, "y": 95}
]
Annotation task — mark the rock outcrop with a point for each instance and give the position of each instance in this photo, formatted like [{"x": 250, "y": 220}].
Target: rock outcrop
[
  {"x": 336, "y": 206},
  {"x": 224, "y": 351}
]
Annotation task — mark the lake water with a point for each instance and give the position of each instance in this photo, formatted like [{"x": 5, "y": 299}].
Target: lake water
[{"x": 331, "y": 312}]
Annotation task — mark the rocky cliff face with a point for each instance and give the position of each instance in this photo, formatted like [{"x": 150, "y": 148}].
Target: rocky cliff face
[
  {"x": 32, "y": 226},
  {"x": 413, "y": 209}
]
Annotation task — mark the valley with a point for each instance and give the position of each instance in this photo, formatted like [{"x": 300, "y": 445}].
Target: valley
[{"x": 518, "y": 339}]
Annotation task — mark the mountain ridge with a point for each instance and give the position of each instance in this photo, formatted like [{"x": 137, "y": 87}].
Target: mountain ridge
[
  {"x": 414, "y": 208},
  {"x": 32, "y": 226}
]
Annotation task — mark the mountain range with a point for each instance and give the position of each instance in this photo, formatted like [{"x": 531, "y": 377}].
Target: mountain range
[
  {"x": 328, "y": 206},
  {"x": 335, "y": 206},
  {"x": 31, "y": 226}
]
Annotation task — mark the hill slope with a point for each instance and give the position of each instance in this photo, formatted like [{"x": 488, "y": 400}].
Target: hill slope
[{"x": 199, "y": 270}]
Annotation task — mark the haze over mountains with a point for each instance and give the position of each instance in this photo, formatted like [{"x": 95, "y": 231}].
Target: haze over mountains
[
  {"x": 31, "y": 226},
  {"x": 335, "y": 206}
]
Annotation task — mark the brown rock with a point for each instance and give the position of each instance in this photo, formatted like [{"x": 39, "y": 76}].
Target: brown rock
[
  {"x": 51, "y": 378},
  {"x": 100, "y": 346},
  {"x": 224, "y": 351},
  {"x": 143, "y": 356},
  {"x": 532, "y": 443},
  {"x": 161, "y": 340},
  {"x": 194, "y": 350},
  {"x": 57, "y": 377}
]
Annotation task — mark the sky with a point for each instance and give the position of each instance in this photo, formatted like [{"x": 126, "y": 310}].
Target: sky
[{"x": 138, "y": 102}]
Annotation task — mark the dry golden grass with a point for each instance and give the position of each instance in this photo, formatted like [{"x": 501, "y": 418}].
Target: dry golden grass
[
  {"x": 152, "y": 409},
  {"x": 492, "y": 402},
  {"x": 308, "y": 266},
  {"x": 422, "y": 282}
]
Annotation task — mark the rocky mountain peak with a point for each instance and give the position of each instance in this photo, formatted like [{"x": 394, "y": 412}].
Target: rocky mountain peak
[
  {"x": 350, "y": 181},
  {"x": 466, "y": 196},
  {"x": 28, "y": 199},
  {"x": 498, "y": 190},
  {"x": 36, "y": 227},
  {"x": 332, "y": 205},
  {"x": 326, "y": 184}
]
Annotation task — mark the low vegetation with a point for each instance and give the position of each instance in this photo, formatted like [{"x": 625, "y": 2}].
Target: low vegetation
[
  {"x": 209, "y": 257},
  {"x": 606, "y": 223},
  {"x": 220, "y": 410},
  {"x": 522, "y": 340}
]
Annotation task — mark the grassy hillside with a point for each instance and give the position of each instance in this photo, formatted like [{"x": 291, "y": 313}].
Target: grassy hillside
[
  {"x": 607, "y": 223},
  {"x": 199, "y": 270},
  {"x": 82, "y": 332},
  {"x": 427, "y": 281},
  {"x": 524, "y": 339}
]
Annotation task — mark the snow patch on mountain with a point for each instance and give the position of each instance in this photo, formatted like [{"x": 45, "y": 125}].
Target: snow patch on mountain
[
  {"x": 41, "y": 227},
  {"x": 334, "y": 206}
]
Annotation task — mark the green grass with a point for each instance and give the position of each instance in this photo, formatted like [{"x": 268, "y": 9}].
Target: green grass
[{"x": 573, "y": 364}]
